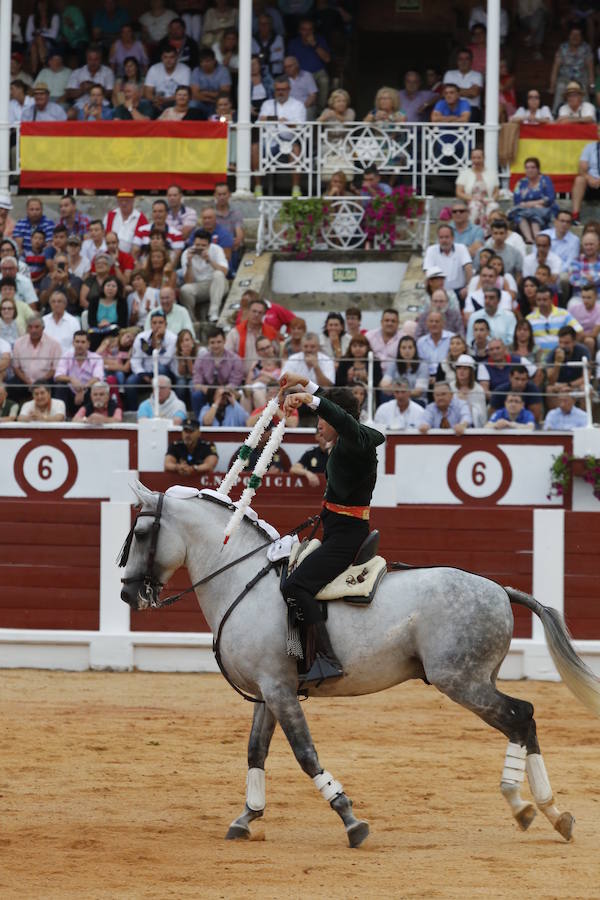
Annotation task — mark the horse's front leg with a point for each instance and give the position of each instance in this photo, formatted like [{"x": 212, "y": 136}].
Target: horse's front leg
[
  {"x": 263, "y": 726},
  {"x": 285, "y": 706}
]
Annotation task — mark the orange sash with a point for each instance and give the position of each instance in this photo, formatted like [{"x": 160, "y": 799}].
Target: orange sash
[{"x": 357, "y": 512}]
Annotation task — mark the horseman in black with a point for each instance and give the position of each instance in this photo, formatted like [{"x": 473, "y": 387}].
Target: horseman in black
[{"x": 351, "y": 474}]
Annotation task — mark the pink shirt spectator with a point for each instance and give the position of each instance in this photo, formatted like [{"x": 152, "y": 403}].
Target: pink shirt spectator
[
  {"x": 36, "y": 361},
  {"x": 587, "y": 318},
  {"x": 386, "y": 351},
  {"x": 91, "y": 367}
]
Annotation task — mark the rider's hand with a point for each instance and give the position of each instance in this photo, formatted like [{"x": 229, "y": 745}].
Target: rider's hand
[
  {"x": 294, "y": 401},
  {"x": 290, "y": 380}
]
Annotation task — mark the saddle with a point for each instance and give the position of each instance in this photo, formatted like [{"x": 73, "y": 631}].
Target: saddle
[{"x": 358, "y": 583}]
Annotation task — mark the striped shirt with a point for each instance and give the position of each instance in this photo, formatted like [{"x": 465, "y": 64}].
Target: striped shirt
[
  {"x": 545, "y": 328},
  {"x": 142, "y": 238}
]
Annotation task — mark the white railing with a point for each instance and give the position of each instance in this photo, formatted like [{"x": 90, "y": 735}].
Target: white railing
[
  {"x": 342, "y": 229},
  {"x": 416, "y": 150}
]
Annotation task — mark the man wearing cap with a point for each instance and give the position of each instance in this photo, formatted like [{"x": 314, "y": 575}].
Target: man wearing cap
[
  {"x": 56, "y": 76},
  {"x": 155, "y": 338},
  {"x": 7, "y": 223},
  {"x": 125, "y": 219},
  {"x": 576, "y": 111},
  {"x": 78, "y": 265},
  {"x": 32, "y": 221},
  {"x": 401, "y": 412},
  {"x": 435, "y": 278},
  {"x": 43, "y": 109},
  {"x": 74, "y": 221},
  {"x": 191, "y": 455}
]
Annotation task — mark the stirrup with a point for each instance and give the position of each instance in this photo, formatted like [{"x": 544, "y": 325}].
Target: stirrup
[{"x": 323, "y": 669}]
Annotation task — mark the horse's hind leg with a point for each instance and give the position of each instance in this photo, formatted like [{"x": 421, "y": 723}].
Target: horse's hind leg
[
  {"x": 285, "y": 706},
  {"x": 514, "y": 718},
  {"x": 263, "y": 726}
]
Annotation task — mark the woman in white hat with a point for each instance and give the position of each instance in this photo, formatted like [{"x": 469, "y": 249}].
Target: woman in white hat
[{"x": 469, "y": 390}]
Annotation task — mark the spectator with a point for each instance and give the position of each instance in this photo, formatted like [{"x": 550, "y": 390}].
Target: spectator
[
  {"x": 122, "y": 264},
  {"x": 159, "y": 269},
  {"x": 8, "y": 408},
  {"x": 353, "y": 321},
  {"x": 205, "y": 268},
  {"x": 180, "y": 218},
  {"x": 182, "y": 367},
  {"x": 283, "y": 109},
  {"x": 5, "y": 352},
  {"x": 71, "y": 218},
  {"x": 434, "y": 345},
  {"x": 34, "y": 219},
  {"x": 303, "y": 86},
  {"x": 176, "y": 39},
  {"x": 451, "y": 108},
  {"x": 446, "y": 411},
  {"x": 336, "y": 341},
  {"x": 230, "y": 220},
  {"x": 42, "y": 408},
  {"x": 58, "y": 323},
  {"x": 478, "y": 16},
  {"x": 356, "y": 365},
  {"x": 372, "y": 186},
  {"x": 191, "y": 455},
  {"x": 478, "y": 346},
  {"x": 77, "y": 370},
  {"x": 177, "y": 316},
  {"x": 157, "y": 338},
  {"x": 415, "y": 102},
  {"x": 543, "y": 255},
  {"x": 535, "y": 201},
  {"x": 93, "y": 73},
  {"x": 95, "y": 243},
  {"x": 219, "y": 367},
  {"x": 58, "y": 246},
  {"x": 512, "y": 415},
  {"x": 465, "y": 232},
  {"x": 453, "y": 259},
  {"x": 564, "y": 243},
  {"x": 293, "y": 343},
  {"x": 41, "y": 33},
  {"x": 518, "y": 381},
  {"x": 573, "y": 63},
  {"x": 94, "y": 107},
  {"x": 141, "y": 299},
  {"x": 242, "y": 339},
  {"x": 534, "y": 113},
  {"x": 312, "y": 362},
  {"x": 227, "y": 52},
  {"x": 60, "y": 279},
  {"x": 35, "y": 258},
  {"x": 125, "y": 219},
  {"x": 512, "y": 259},
  {"x": 523, "y": 345},
  {"x": 566, "y": 416},
  {"x": 562, "y": 375},
  {"x": 19, "y": 101},
  {"x": 216, "y": 20},
  {"x": 312, "y": 52},
  {"x": 10, "y": 328},
  {"x": 446, "y": 370},
  {"x": 387, "y": 107},
  {"x": 155, "y": 22},
  {"x": 77, "y": 265},
  {"x": 435, "y": 280},
  {"x": 108, "y": 311},
  {"x": 502, "y": 322},
  {"x": 587, "y": 312},
  {"x": 99, "y": 408},
  {"x": 132, "y": 74},
  {"x": 264, "y": 375},
  {"x": 142, "y": 238},
  {"x": 513, "y": 238},
  {"x": 313, "y": 462},
  {"x": 169, "y": 405},
  {"x": 476, "y": 298},
  {"x": 73, "y": 29},
  {"x": 452, "y": 317},
  {"x": 24, "y": 311},
  {"x": 91, "y": 288},
  {"x": 268, "y": 47},
  {"x": 43, "y": 109},
  {"x": 56, "y": 76},
  {"x": 127, "y": 47},
  {"x": 337, "y": 112},
  {"x": 7, "y": 223},
  {"x": 9, "y": 268},
  {"x": 585, "y": 270},
  {"x": 108, "y": 21},
  {"x": 208, "y": 80},
  {"x": 384, "y": 340},
  {"x": 277, "y": 316},
  {"x": 587, "y": 182},
  {"x": 576, "y": 111},
  {"x": 163, "y": 79},
  {"x": 35, "y": 355},
  {"x": 532, "y": 17},
  {"x": 468, "y": 81},
  {"x": 401, "y": 412},
  {"x": 116, "y": 354},
  {"x": 134, "y": 107},
  {"x": 181, "y": 111},
  {"x": 222, "y": 409},
  {"x": 468, "y": 390},
  {"x": 410, "y": 368},
  {"x": 261, "y": 89}
]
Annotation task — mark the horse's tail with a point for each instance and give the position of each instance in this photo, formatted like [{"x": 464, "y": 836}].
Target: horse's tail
[{"x": 580, "y": 679}]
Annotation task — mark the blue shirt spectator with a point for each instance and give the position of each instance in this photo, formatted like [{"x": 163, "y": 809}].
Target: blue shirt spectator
[
  {"x": 35, "y": 219},
  {"x": 305, "y": 52},
  {"x": 457, "y": 413},
  {"x": 457, "y": 109},
  {"x": 223, "y": 413},
  {"x": 591, "y": 155},
  {"x": 566, "y": 416},
  {"x": 565, "y": 244},
  {"x": 524, "y": 417}
]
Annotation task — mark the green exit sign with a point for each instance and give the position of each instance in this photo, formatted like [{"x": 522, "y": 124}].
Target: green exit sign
[{"x": 345, "y": 273}]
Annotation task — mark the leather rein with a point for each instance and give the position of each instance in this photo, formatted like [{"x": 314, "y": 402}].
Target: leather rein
[{"x": 151, "y": 583}]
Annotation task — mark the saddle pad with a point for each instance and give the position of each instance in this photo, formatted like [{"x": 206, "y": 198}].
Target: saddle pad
[
  {"x": 355, "y": 581},
  {"x": 300, "y": 551}
]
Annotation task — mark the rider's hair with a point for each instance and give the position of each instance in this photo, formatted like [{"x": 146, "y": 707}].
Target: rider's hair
[{"x": 344, "y": 398}]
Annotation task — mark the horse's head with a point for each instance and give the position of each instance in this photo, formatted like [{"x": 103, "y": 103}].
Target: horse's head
[{"x": 152, "y": 552}]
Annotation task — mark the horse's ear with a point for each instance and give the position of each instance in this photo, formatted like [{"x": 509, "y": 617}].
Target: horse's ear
[{"x": 141, "y": 493}]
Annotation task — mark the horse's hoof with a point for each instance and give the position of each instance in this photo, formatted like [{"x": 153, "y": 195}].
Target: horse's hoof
[
  {"x": 237, "y": 833},
  {"x": 357, "y": 833},
  {"x": 564, "y": 825},
  {"x": 526, "y": 816}
]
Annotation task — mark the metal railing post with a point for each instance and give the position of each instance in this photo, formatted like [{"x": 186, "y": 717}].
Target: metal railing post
[
  {"x": 587, "y": 389},
  {"x": 155, "y": 401},
  {"x": 370, "y": 387}
]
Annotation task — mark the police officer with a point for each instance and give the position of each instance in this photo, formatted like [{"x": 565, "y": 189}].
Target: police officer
[
  {"x": 351, "y": 474},
  {"x": 191, "y": 455}
]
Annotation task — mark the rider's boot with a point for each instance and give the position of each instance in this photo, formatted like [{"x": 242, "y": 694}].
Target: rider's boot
[{"x": 325, "y": 664}]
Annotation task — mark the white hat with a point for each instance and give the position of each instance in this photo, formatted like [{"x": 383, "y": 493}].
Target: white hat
[
  {"x": 434, "y": 272},
  {"x": 5, "y": 202},
  {"x": 465, "y": 360}
]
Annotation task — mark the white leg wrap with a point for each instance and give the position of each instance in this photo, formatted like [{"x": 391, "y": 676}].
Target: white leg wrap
[
  {"x": 514, "y": 764},
  {"x": 329, "y": 787},
  {"x": 255, "y": 789},
  {"x": 538, "y": 779}
]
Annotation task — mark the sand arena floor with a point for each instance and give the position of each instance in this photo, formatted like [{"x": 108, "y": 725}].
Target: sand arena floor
[{"x": 123, "y": 786}]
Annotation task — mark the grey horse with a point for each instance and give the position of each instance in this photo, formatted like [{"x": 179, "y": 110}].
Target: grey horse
[{"x": 443, "y": 625}]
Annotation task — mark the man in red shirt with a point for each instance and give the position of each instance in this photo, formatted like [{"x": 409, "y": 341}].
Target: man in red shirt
[
  {"x": 276, "y": 316},
  {"x": 122, "y": 264}
]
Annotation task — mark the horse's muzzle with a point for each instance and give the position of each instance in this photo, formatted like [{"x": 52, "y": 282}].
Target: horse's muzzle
[
  {"x": 130, "y": 592},
  {"x": 141, "y": 593}
]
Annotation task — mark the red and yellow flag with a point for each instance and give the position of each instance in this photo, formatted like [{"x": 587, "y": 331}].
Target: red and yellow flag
[
  {"x": 111, "y": 155},
  {"x": 558, "y": 148}
]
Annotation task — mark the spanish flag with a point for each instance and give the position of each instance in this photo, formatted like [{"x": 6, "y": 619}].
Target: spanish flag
[
  {"x": 101, "y": 155},
  {"x": 558, "y": 148}
]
